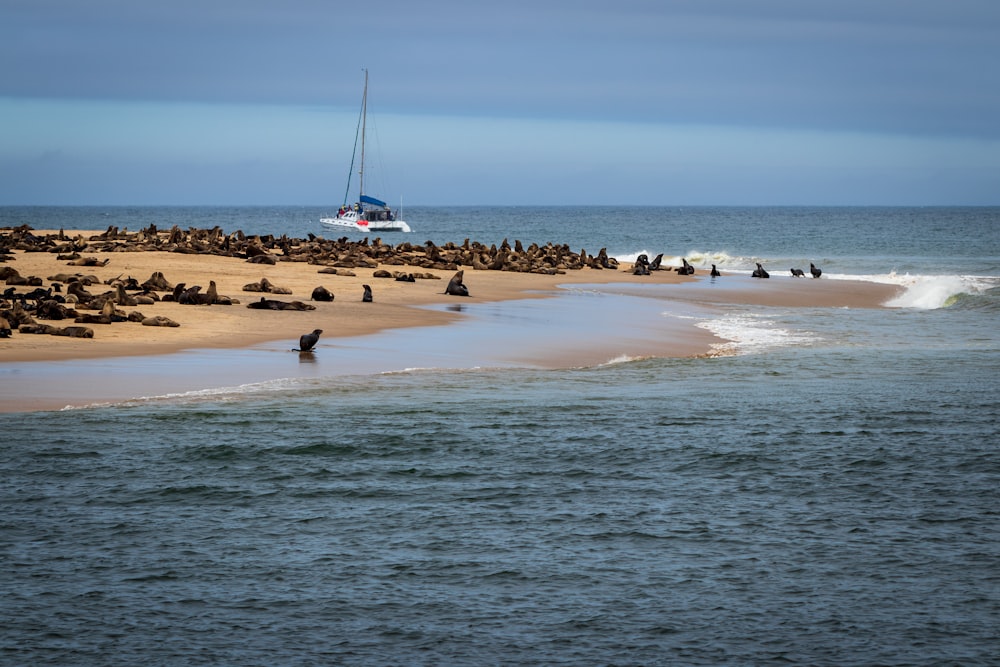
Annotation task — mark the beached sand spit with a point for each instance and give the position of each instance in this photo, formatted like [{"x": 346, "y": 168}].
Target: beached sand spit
[{"x": 295, "y": 267}]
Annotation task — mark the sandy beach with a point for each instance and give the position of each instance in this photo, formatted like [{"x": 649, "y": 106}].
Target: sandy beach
[{"x": 396, "y": 305}]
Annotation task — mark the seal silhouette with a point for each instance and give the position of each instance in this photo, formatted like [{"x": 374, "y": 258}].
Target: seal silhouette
[
  {"x": 456, "y": 287},
  {"x": 815, "y": 270},
  {"x": 685, "y": 269},
  {"x": 322, "y": 294},
  {"x": 309, "y": 340}
]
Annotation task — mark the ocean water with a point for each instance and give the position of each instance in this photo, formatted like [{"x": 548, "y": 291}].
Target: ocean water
[{"x": 825, "y": 490}]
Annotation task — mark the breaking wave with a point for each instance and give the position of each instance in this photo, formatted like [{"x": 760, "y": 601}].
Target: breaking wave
[
  {"x": 928, "y": 292},
  {"x": 750, "y": 334}
]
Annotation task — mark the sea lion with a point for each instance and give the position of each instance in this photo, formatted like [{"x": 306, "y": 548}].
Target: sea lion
[
  {"x": 74, "y": 332},
  {"x": 158, "y": 321},
  {"x": 456, "y": 287},
  {"x": 175, "y": 296},
  {"x": 307, "y": 341},
  {"x": 89, "y": 261},
  {"x": 655, "y": 264},
  {"x": 35, "y": 328},
  {"x": 123, "y": 298},
  {"x": 53, "y": 310},
  {"x": 190, "y": 296},
  {"x": 274, "y": 304},
  {"x": 158, "y": 283},
  {"x": 685, "y": 269},
  {"x": 715, "y": 272},
  {"x": 815, "y": 270},
  {"x": 367, "y": 297},
  {"x": 759, "y": 272},
  {"x": 641, "y": 266},
  {"x": 797, "y": 273},
  {"x": 322, "y": 294},
  {"x": 266, "y": 285},
  {"x": 5, "y": 330}
]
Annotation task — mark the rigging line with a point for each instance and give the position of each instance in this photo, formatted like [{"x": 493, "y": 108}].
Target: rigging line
[{"x": 354, "y": 154}]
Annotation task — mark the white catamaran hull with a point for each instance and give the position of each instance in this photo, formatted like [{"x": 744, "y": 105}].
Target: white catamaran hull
[{"x": 351, "y": 220}]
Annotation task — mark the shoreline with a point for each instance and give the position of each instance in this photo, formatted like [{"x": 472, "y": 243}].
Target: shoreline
[
  {"x": 395, "y": 303},
  {"x": 419, "y": 308}
]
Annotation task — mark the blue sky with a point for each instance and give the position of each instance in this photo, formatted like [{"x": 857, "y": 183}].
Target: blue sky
[{"x": 675, "y": 102}]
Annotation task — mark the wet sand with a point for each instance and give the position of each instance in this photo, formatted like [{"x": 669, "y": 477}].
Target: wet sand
[{"x": 508, "y": 319}]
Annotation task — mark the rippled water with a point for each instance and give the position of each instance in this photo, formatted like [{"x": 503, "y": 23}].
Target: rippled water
[
  {"x": 826, "y": 495},
  {"x": 735, "y": 510}
]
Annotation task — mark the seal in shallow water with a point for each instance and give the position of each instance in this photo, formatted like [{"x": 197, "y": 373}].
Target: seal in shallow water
[
  {"x": 797, "y": 273},
  {"x": 816, "y": 271},
  {"x": 307, "y": 341}
]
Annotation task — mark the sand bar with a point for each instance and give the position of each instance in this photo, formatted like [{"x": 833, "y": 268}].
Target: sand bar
[{"x": 588, "y": 337}]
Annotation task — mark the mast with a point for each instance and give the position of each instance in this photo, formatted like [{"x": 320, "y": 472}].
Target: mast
[{"x": 364, "y": 123}]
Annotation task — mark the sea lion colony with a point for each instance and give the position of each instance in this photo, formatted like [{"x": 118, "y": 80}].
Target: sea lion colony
[
  {"x": 21, "y": 308},
  {"x": 344, "y": 253}
]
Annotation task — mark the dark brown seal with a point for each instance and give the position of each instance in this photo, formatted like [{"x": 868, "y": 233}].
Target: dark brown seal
[
  {"x": 309, "y": 340},
  {"x": 456, "y": 287}
]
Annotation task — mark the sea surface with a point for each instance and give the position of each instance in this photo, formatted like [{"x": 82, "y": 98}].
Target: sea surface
[{"x": 825, "y": 490}]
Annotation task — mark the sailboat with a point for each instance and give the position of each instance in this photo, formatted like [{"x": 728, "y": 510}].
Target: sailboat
[{"x": 368, "y": 214}]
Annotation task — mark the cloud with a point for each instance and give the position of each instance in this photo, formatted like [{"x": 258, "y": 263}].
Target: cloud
[
  {"x": 896, "y": 65},
  {"x": 642, "y": 101}
]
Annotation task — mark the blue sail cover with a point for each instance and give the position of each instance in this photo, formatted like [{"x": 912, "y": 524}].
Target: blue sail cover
[{"x": 365, "y": 199}]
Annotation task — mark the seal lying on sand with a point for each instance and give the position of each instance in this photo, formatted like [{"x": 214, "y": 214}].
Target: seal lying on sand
[
  {"x": 322, "y": 294},
  {"x": 159, "y": 321},
  {"x": 307, "y": 341},
  {"x": 274, "y": 304}
]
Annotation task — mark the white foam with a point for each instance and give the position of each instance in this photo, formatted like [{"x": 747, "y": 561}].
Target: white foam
[
  {"x": 749, "y": 334},
  {"x": 224, "y": 394},
  {"x": 702, "y": 259},
  {"x": 926, "y": 292},
  {"x": 631, "y": 257},
  {"x": 621, "y": 359}
]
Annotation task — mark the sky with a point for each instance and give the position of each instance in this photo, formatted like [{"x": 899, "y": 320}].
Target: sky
[{"x": 523, "y": 102}]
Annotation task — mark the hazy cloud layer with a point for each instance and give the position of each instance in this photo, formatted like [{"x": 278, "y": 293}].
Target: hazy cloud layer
[{"x": 915, "y": 68}]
